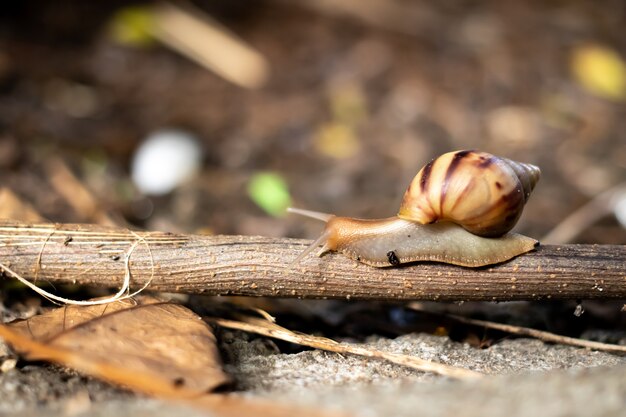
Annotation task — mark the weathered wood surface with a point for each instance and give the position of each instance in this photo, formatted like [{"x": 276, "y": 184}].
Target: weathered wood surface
[{"x": 260, "y": 266}]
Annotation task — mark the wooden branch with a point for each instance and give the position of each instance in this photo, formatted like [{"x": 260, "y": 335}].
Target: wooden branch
[{"x": 260, "y": 266}]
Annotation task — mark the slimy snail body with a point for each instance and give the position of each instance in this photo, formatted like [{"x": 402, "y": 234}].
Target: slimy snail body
[{"x": 459, "y": 209}]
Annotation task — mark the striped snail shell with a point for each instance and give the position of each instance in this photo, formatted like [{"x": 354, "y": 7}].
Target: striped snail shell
[{"x": 483, "y": 193}]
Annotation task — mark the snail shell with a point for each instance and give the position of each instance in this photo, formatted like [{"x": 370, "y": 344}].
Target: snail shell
[{"x": 483, "y": 193}]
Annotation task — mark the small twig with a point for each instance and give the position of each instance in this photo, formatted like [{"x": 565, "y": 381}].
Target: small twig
[
  {"x": 266, "y": 328},
  {"x": 537, "y": 334},
  {"x": 542, "y": 335}
]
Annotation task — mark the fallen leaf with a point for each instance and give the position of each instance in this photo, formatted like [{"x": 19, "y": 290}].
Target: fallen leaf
[
  {"x": 151, "y": 347},
  {"x": 45, "y": 326}
]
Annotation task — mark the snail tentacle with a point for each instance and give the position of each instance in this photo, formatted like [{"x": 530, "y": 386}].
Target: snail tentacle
[{"x": 325, "y": 217}]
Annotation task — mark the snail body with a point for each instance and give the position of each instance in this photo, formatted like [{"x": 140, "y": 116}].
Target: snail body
[{"x": 459, "y": 210}]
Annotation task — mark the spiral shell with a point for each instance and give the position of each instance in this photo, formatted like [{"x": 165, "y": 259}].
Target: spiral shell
[{"x": 483, "y": 193}]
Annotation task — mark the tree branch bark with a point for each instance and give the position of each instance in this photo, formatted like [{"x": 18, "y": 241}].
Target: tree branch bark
[{"x": 260, "y": 266}]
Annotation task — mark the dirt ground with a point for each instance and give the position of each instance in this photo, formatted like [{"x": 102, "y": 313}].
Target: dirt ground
[{"x": 355, "y": 104}]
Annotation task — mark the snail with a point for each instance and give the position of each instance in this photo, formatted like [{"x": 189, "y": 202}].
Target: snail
[{"x": 459, "y": 209}]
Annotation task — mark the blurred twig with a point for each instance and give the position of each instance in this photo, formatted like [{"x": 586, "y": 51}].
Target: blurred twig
[
  {"x": 12, "y": 207},
  {"x": 200, "y": 38},
  {"x": 83, "y": 202},
  {"x": 574, "y": 224}
]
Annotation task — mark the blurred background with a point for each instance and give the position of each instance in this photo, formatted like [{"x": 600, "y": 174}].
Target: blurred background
[{"x": 213, "y": 116}]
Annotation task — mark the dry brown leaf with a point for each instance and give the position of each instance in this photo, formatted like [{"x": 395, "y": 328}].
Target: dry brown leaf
[
  {"x": 166, "y": 345},
  {"x": 45, "y": 326}
]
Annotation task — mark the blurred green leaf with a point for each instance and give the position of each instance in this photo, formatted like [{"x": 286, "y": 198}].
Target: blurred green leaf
[
  {"x": 600, "y": 70},
  {"x": 133, "y": 26},
  {"x": 270, "y": 192}
]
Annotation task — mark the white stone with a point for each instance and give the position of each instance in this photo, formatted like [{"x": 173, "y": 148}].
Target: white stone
[{"x": 165, "y": 160}]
